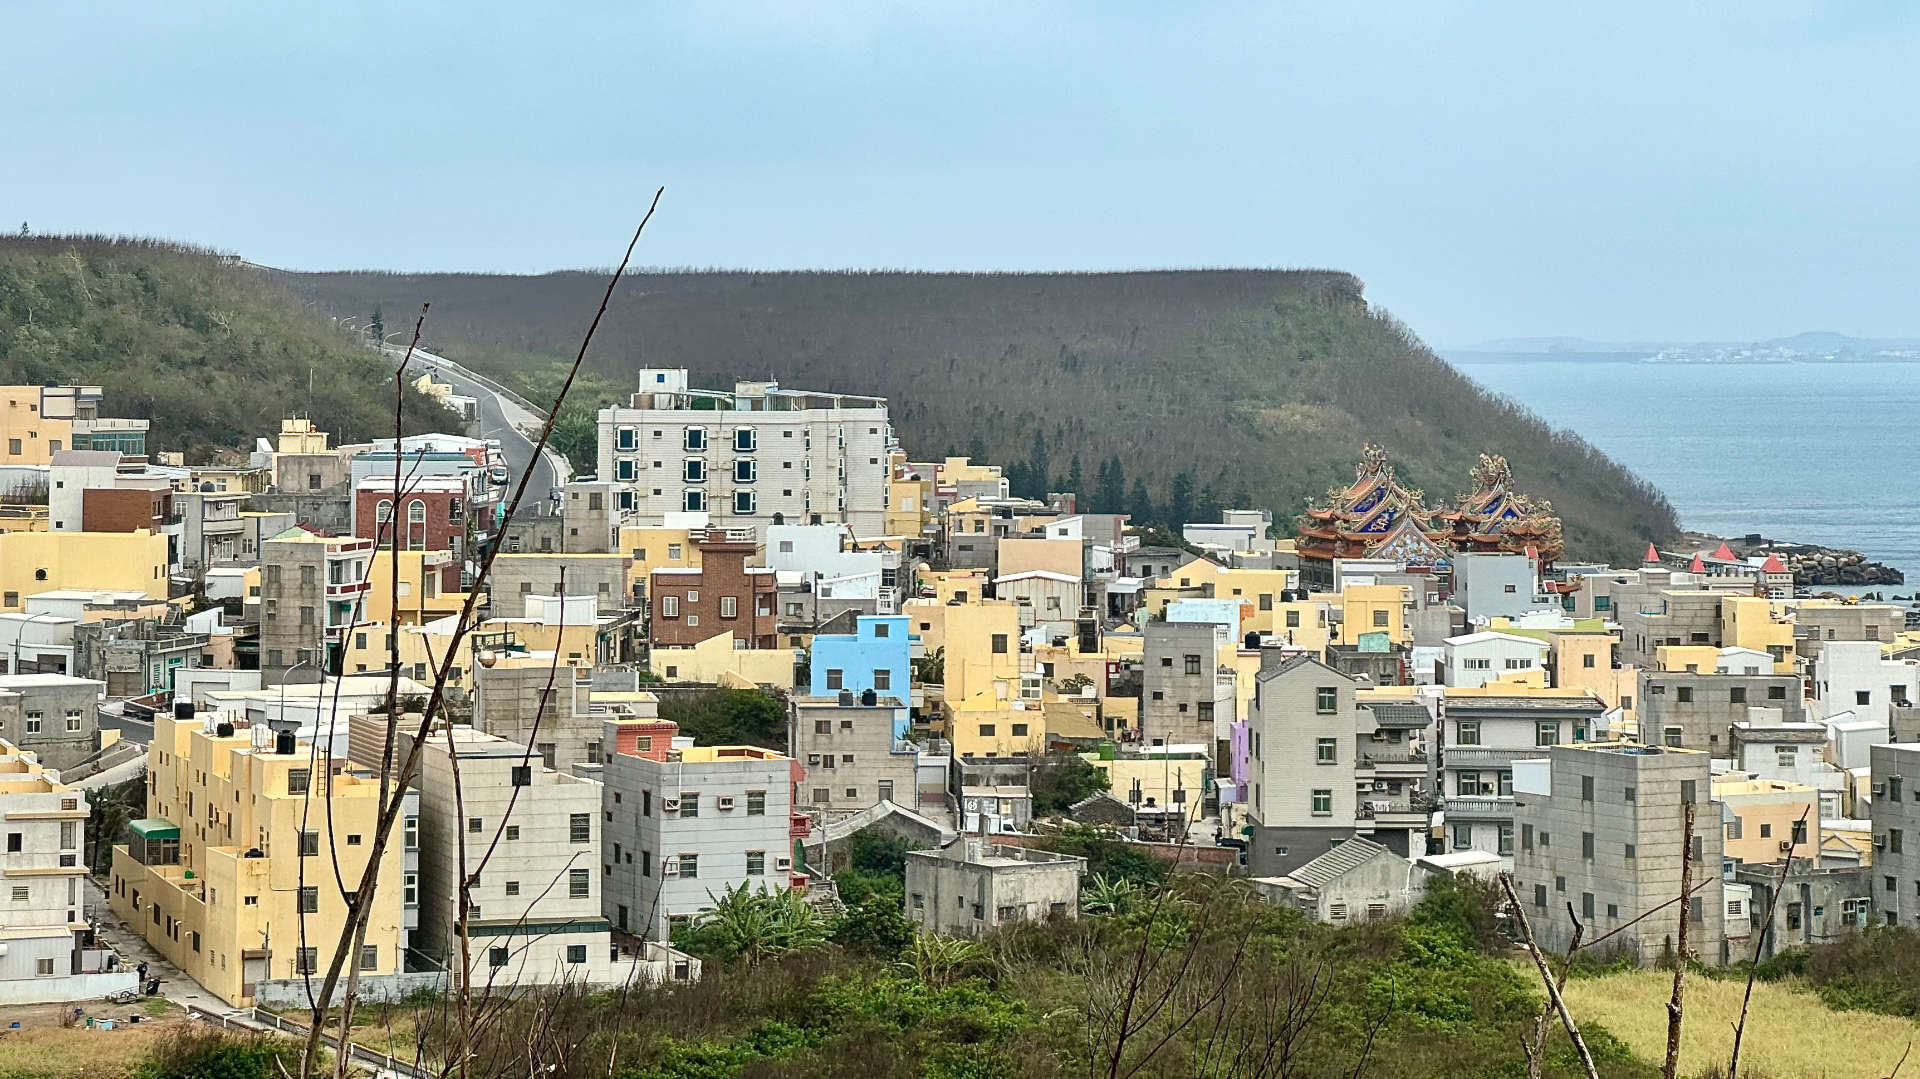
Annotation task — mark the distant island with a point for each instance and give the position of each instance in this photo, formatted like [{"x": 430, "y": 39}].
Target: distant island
[{"x": 1811, "y": 347}]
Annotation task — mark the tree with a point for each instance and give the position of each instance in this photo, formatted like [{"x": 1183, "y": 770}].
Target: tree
[
  {"x": 1058, "y": 780},
  {"x": 1077, "y": 481},
  {"x": 1038, "y": 465},
  {"x": 377, "y": 327},
  {"x": 754, "y": 925},
  {"x": 1207, "y": 507},
  {"x": 1113, "y": 487},
  {"x": 1140, "y": 504},
  {"x": 730, "y": 717},
  {"x": 878, "y": 927},
  {"x": 977, "y": 450},
  {"x": 1180, "y": 500}
]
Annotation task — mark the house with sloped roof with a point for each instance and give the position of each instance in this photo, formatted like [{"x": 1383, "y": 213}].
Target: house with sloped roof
[{"x": 1357, "y": 879}]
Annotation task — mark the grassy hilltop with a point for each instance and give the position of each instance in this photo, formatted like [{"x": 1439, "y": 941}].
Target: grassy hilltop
[
  {"x": 1257, "y": 381},
  {"x": 213, "y": 352}
]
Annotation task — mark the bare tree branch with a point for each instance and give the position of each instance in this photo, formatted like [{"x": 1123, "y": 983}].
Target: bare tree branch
[
  {"x": 1546, "y": 976},
  {"x": 1766, "y": 933},
  {"x": 1676, "y": 1007}
]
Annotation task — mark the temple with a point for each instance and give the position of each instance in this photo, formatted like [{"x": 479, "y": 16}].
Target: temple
[
  {"x": 1379, "y": 517},
  {"x": 1375, "y": 517},
  {"x": 1495, "y": 517}
]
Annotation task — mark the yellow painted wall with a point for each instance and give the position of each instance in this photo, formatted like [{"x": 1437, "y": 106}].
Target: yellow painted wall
[
  {"x": 1703, "y": 658},
  {"x": 1158, "y": 780},
  {"x": 44, "y": 561},
  {"x": 971, "y": 663},
  {"x": 1305, "y": 623},
  {"x": 1764, "y": 805},
  {"x": 20, "y": 419},
  {"x": 1358, "y": 605},
  {"x": 1753, "y": 622},
  {"x": 227, "y": 798},
  {"x": 1019, "y": 555},
  {"x": 421, "y": 599},
  {"x": 714, "y": 658},
  {"x": 650, "y": 548},
  {"x": 988, "y": 724}
]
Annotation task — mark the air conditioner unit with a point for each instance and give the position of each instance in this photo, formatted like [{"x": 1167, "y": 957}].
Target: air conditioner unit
[
  {"x": 1879, "y": 842},
  {"x": 1879, "y": 790},
  {"x": 670, "y": 868},
  {"x": 813, "y": 759},
  {"x": 1380, "y": 784},
  {"x": 669, "y": 805},
  {"x": 724, "y": 802}
]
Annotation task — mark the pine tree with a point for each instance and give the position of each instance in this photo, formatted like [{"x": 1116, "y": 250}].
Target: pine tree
[
  {"x": 1038, "y": 472},
  {"x": 1113, "y": 487},
  {"x": 1180, "y": 500},
  {"x": 377, "y": 327},
  {"x": 1207, "y": 506},
  {"x": 1139, "y": 505},
  {"x": 977, "y": 450},
  {"x": 1077, "y": 482}
]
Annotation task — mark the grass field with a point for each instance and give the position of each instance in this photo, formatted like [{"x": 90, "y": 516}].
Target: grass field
[
  {"x": 55, "y": 1052},
  {"x": 1789, "y": 1032}
]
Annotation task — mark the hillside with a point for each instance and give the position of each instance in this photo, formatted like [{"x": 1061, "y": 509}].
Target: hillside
[
  {"x": 214, "y": 354},
  {"x": 1252, "y": 381}
]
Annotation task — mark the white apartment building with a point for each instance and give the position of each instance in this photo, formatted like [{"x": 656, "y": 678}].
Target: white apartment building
[
  {"x": 685, "y": 823},
  {"x": 43, "y": 917},
  {"x": 1480, "y": 739},
  {"x": 533, "y": 836},
  {"x": 1853, "y": 676},
  {"x": 1474, "y": 659},
  {"x": 757, "y": 456}
]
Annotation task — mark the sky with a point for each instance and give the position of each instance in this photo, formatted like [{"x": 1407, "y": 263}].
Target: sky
[{"x": 1611, "y": 171}]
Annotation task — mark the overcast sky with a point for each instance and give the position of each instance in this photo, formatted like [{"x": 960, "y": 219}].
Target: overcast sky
[{"x": 1614, "y": 170}]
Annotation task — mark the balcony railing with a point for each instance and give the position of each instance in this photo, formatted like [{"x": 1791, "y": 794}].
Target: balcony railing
[
  {"x": 1479, "y": 807},
  {"x": 799, "y": 826}
]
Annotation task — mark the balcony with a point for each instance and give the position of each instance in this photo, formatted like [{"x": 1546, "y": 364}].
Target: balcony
[
  {"x": 799, "y": 826},
  {"x": 1479, "y": 807},
  {"x": 1489, "y": 756}
]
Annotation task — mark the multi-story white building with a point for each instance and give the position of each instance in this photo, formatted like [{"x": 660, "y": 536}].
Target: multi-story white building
[
  {"x": 1474, "y": 659},
  {"x": 1481, "y": 736},
  {"x": 533, "y": 836},
  {"x": 43, "y": 918},
  {"x": 685, "y": 823},
  {"x": 756, "y": 456}
]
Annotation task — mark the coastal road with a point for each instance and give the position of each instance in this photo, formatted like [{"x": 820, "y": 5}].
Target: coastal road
[{"x": 502, "y": 414}]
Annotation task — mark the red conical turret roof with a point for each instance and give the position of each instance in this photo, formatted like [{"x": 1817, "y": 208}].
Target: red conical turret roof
[
  {"x": 1773, "y": 565},
  {"x": 1696, "y": 566},
  {"x": 1725, "y": 553},
  {"x": 1652, "y": 557}
]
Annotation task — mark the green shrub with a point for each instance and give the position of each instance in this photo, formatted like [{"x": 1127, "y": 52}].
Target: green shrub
[{"x": 205, "y": 1053}]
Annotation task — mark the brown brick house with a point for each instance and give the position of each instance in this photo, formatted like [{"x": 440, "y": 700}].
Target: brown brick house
[{"x": 724, "y": 595}]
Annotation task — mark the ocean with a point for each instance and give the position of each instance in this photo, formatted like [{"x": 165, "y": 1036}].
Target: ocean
[{"x": 1806, "y": 452}]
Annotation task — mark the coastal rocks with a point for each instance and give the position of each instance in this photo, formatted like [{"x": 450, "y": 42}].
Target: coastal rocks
[{"x": 1815, "y": 565}]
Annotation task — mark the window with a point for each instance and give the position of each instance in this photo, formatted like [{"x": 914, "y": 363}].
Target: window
[
  {"x": 689, "y": 865},
  {"x": 576, "y": 954},
  {"x": 513, "y": 832},
  {"x": 370, "y": 957},
  {"x": 694, "y": 501},
  {"x": 1193, "y": 664},
  {"x": 1675, "y": 737},
  {"x": 580, "y": 828},
  {"x": 475, "y": 825},
  {"x": 497, "y": 956},
  {"x": 999, "y": 644},
  {"x": 756, "y": 803},
  {"x": 1293, "y": 619},
  {"x": 1463, "y": 837},
  {"x": 1587, "y": 660},
  {"x": 836, "y": 678},
  {"x": 1586, "y": 788},
  {"x": 1800, "y": 833},
  {"x": 306, "y": 960},
  {"x": 579, "y": 883},
  {"x": 1737, "y": 695},
  {"x": 1776, "y": 693},
  {"x": 1506, "y": 840},
  {"x": 695, "y": 438},
  {"x": 1586, "y": 845},
  {"x": 1546, "y": 734},
  {"x": 1586, "y": 904},
  {"x": 1467, "y": 732},
  {"x": 1687, "y": 791},
  {"x": 689, "y": 804},
  {"x": 1323, "y": 803},
  {"x": 309, "y": 844},
  {"x": 1380, "y": 618},
  {"x": 1326, "y": 700},
  {"x": 310, "y": 899},
  {"x": 743, "y": 503},
  {"x": 1540, "y": 895},
  {"x": 1326, "y": 751},
  {"x": 669, "y": 606},
  {"x": 1683, "y": 694},
  {"x": 756, "y": 863},
  {"x": 523, "y": 775},
  {"x": 882, "y": 679},
  {"x": 298, "y": 780}
]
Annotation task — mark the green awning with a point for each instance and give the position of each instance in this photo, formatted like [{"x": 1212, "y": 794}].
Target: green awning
[{"x": 154, "y": 828}]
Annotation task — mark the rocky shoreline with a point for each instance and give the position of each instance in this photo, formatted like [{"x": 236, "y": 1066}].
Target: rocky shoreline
[{"x": 1811, "y": 563}]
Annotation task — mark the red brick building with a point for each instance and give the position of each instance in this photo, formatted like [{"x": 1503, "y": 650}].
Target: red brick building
[
  {"x": 125, "y": 509},
  {"x": 724, "y": 595},
  {"x": 432, "y": 517}
]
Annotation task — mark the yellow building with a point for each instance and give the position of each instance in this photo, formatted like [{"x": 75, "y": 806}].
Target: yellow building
[
  {"x": 995, "y": 722},
  {"x": 1022, "y": 554},
  {"x": 421, "y": 600},
  {"x": 1756, "y": 623},
  {"x": 1373, "y": 608},
  {"x": 720, "y": 660},
  {"x": 25, "y": 519},
  {"x": 909, "y": 497},
  {"x": 1305, "y": 623},
  {"x": 650, "y": 548},
  {"x": 1767, "y": 814},
  {"x": 100, "y": 561},
  {"x": 1261, "y": 589},
  {"x": 982, "y": 646},
  {"x": 231, "y": 874},
  {"x": 964, "y": 585},
  {"x": 1698, "y": 658},
  {"x": 1173, "y": 782},
  {"x": 424, "y": 647},
  {"x": 27, "y": 435}
]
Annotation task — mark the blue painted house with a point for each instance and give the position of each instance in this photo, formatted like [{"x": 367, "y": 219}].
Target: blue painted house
[{"x": 876, "y": 656}]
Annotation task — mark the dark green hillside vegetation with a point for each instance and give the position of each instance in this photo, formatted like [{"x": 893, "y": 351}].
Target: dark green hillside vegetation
[
  {"x": 214, "y": 353},
  {"x": 1254, "y": 383}
]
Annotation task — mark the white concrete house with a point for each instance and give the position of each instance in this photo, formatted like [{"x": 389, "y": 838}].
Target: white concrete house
[
  {"x": 1474, "y": 659},
  {"x": 1852, "y": 676}
]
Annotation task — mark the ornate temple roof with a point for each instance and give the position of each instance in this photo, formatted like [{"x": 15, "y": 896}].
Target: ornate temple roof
[
  {"x": 1496, "y": 517},
  {"x": 1379, "y": 517}
]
